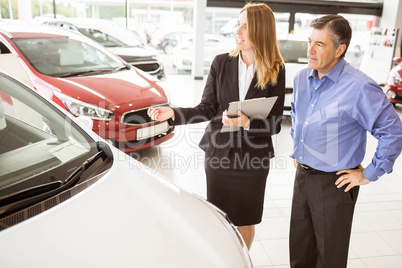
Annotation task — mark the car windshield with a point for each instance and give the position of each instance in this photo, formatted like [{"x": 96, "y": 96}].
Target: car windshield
[
  {"x": 40, "y": 147},
  {"x": 293, "y": 51},
  {"x": 60, "y": 57},
  {"x": 113, "y": 37}
]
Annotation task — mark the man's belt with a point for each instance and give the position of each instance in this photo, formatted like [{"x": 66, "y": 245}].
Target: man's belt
[{"x": 311, "y": 170}]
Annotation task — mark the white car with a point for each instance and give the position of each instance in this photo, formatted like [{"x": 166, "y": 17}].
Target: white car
[
  {"x": 183, "y": 53},
  {"x": 119, "y": 40},
  {"x": 69, "y": 199},
  {"x": 167, "y": 37}
]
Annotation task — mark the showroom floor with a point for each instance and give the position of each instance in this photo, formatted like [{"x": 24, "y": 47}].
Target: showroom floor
[{"x": 376, "y": 240}]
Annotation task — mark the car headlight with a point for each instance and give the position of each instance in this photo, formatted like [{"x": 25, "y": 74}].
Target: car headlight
[
  {"x": 391, "y": 94},
  {"x": 394, "y": 76},
  {"x": 80, "y": 108},
  {"x": 233, "y": 230}
]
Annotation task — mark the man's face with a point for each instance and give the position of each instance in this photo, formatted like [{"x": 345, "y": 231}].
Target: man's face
[{"x": 321, "y": 53}]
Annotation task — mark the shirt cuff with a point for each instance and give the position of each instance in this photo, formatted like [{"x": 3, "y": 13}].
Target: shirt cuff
[{"x": 371, "y": 173}]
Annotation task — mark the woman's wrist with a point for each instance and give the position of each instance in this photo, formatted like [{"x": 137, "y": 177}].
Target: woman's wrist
[
  {"x": 247, "y": 124},
  {"x": 171, "y": 113}
]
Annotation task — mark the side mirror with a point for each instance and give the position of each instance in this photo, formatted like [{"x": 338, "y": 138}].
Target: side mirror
[{"x": 86, "y": 121}]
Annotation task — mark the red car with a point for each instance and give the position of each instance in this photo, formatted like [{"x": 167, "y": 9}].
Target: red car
[
  {"x": 393, "y": 87},
  {"x": 88, "y": 80}
]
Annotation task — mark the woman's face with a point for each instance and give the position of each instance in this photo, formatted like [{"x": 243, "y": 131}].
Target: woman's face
[{"x": 241, "y": 36}]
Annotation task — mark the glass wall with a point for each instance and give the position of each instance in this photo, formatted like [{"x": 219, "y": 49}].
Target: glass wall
[
  {"x": 361, "y": 25},
  {"x": 161, "y": 24}
]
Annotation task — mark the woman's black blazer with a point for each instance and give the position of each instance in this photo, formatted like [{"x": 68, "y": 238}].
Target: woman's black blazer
[{"x": 221, "y": 88}]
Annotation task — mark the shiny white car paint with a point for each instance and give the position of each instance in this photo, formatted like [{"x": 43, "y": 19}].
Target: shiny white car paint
[{"x": 131, "y": 217}]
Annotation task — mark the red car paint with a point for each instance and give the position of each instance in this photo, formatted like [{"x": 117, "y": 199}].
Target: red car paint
[{"x": 119, "y": 92}]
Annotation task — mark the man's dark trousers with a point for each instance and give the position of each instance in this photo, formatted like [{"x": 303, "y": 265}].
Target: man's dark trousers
[{"x": 321, "y": 220}]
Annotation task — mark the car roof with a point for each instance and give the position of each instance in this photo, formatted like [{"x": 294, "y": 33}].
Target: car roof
[
  {"x": 23, "y": 30},
  {"x": 86, "y": 22},
  {"x": 27, "y": 30}
]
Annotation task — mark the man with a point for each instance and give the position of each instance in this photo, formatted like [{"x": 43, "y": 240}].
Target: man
[{"x": 334, "y": 106}]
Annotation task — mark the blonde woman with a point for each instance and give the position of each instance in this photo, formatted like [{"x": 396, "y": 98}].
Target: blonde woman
[{"x": 237, "y": 163}]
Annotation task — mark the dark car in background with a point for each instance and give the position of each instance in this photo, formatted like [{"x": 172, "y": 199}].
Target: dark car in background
[
  {"x": 88, "y": 80},
  {"x": 393, "y": 86},
  {"x": 117, "y": 39}
]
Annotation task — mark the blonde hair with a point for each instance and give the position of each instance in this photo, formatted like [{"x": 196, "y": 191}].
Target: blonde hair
[{"x": 262, "y": 34}]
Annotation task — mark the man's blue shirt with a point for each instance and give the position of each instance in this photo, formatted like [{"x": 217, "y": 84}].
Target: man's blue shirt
[{"x": 331, "y": 118}]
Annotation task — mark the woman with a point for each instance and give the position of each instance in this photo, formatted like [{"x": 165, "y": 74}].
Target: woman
[{"x": 237, "y": 163}]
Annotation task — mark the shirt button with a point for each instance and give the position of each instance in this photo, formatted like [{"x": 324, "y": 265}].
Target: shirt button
[
  {"x": 300, "y": 157},
  {"x": 301, "y": 140},
  {"x": 312, "y": 105},
  {"x": 306, "y": 123}
]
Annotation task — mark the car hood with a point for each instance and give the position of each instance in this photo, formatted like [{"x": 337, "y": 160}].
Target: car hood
[
  {"x": 131, "y": 217},
  {"x": 133, "y": 51},
  {"x": 112, "y": 89}
]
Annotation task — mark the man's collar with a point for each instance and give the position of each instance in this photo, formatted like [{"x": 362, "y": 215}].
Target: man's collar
[{"x": 334, "y": 73}]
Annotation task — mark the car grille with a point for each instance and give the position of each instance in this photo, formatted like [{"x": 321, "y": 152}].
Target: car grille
[
  {"x": 149, "y": 67},
  {"x": 146, "y": 64},
  {"x": 138, "y": 117},
  {"x": 135, "y": 143}
]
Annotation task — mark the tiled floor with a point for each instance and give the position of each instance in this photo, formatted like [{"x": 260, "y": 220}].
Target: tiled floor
[{"x": 376, "y": 240}]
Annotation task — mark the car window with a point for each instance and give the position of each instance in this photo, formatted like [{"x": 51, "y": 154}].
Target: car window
[
  {"x": 126, "y": 37},
  {"x": 58, "y": 56},
  {"x": 39, "y": 145},
  {"x": 113, "y": 37},
  {"x": 102, "y": 38},
  {"x": 293, "y": 51},
  {"x": 64, "y": 25},
  {"x": 4, "y": 49}
]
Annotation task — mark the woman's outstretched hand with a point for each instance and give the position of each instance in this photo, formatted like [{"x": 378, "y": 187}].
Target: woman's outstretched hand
[{"x": 160, "y": 113}]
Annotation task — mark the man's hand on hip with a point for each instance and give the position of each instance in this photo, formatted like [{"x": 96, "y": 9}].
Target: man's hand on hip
[{"x": 353, "y": 177}]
